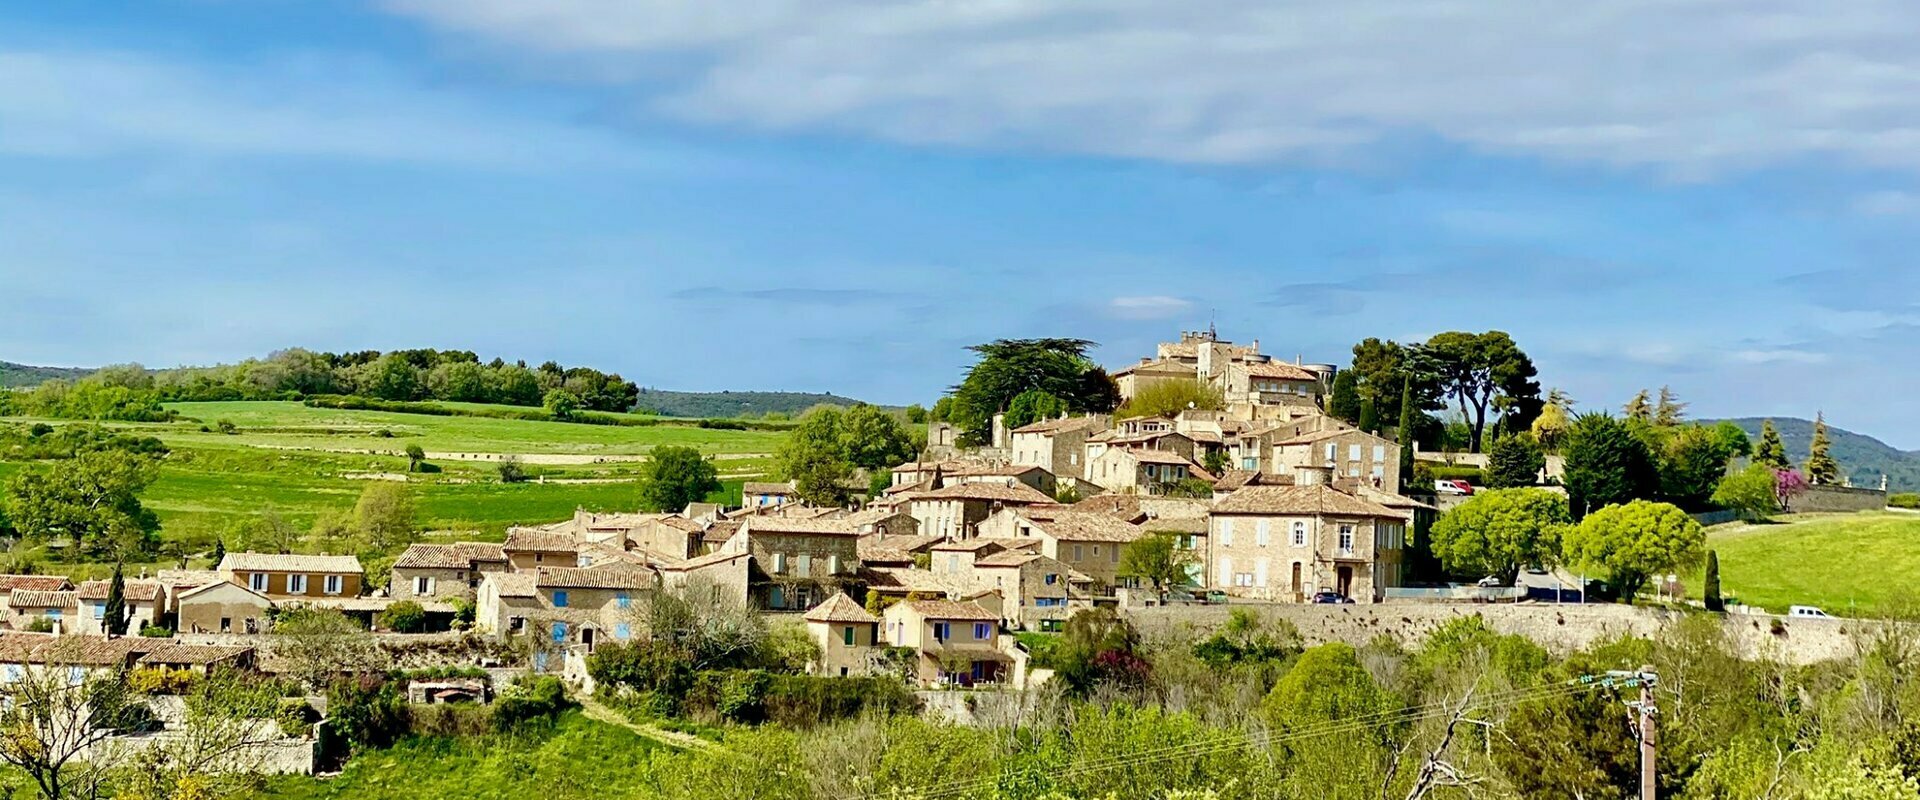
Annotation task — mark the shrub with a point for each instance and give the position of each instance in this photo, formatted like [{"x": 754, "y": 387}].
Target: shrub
[
  {"x": 462, "y": 719},
  {"x": 428, "y": 467},
  {"x": 405, "y": 616},
  {"x": 227, "y": 427},
  {"x": 156, "y": 631},
  {"x": 295, "y": 717},
  {"x": 365, "y": 713},
  {"x": 40, "y": 625},
  {"x": 511, "y": 471},
  {"x": 1904, "y": 500},
  {"x": 161, "y": 680},
  {"x": 1472, "y": 475},
  {"x": 535, "y": 700}
]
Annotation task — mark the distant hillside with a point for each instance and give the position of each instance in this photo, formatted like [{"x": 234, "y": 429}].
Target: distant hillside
[
  {"x": 16, "y": 375},
  {"x": 1862, "y": 457},
  {"x": 732, "y": 404}
]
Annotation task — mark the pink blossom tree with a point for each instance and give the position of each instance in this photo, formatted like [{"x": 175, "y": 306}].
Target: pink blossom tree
[{"x": 1788, "y": 484}]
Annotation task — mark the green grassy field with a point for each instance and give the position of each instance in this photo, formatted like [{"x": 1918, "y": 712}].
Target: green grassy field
[
  {"x": 581, "y": 758},
  {"x": 302, "y": 462},
  {"x": 1845, "y": 563}
]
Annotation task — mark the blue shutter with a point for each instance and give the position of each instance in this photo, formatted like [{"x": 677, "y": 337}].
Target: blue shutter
[
  {"x": 620, "y": 600},
  {"x": 559, "y": 599},
  {"x": 559, "y": 632},
  {"x": 621, "y": 631}
]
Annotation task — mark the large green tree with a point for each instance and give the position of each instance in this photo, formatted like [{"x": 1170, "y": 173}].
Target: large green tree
[
  {"x": 384, "y": 515},
  {"x": 1499, "y": 531},
  {"x": 1033, "y": 406},
  {"x": 1635, "y": 541},
  {"x": 1515, "y": 460},
  {"x": 1749, "y": 492},
  {"x": 1771, "y": 451},
  {"x": 1008, "y": 367},
  {"x": 1556, "y": 416},
  {"x": 92, "y": 498},
  {"x": 1693, "y": 459},
  {"x": 874, "y": 439},
  {"x": 1344, "y": 402},
  {"x": 673, "y": 476},
  {"x": 1169, "y": 397},
  {"x": 1821, "y": 469},
  {"x": 1607, "y": 463},
  {"x": 1158, "y": 559},
  {"x": 814, "y": 457},
  {"x": 1482, "y": 372}
]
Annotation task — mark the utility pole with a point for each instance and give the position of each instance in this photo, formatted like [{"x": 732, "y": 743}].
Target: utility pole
[{"x": 1645, "y": 709}]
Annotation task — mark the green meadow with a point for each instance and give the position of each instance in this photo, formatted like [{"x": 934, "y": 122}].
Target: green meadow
[{"x": 1847, "y": 564}]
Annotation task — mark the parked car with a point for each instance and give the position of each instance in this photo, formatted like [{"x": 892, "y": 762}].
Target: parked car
[
  {"x": 1448, "y": 486},
  {"x": 1332, "y": 598},
  {"x": 1488, "y": 582},
  {"x": 1808, "y": 612},
  {"x": 1216, "y": 598}
]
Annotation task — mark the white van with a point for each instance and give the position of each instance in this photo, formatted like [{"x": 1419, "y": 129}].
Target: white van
[{"x": 1807, "y": 612}]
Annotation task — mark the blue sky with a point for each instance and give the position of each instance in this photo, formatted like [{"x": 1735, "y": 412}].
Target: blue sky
[{"x": 839, "y": 196}]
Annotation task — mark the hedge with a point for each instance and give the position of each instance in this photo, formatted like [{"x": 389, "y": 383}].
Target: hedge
[
  {"x": 1472, "y": 475},
  {"x": 354, "y": 402}
]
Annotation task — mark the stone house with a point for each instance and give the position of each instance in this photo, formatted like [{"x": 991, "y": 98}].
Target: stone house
[
  {"x": 956, "y": 558},
  {"x": 668, "y": 536},
  {"x": 200, "y": 659},
  {"x": 444, "y": 571},
  {"x": 1350, "y": 452},
  {"x": 1038, "y": 592},
  {"x": 560, "y": 607},
  {"x": 954, "y": 643},
  {"x": 761, "y": 494},
  {"x": 144, "y": 601},
  {"x": 796, "y": 562},
  {"x": 32, "y": 583},
  {"x": 529, "y": 549},
  {"x": 884, "y": 522},
  {"x": 953, "y": 511},
  {"x": 1246, "y": 378},
  {"x": 1058, "y": 446},
  {"x": 848, "y": 636},
  {"x": 58, "y": 608},
  {"x": 293, "y": 575},
  {"x": 222, "y": 607},
  {"x": 173, "y": 582},
  {"x": 721, "y": 575},
  {"x": 1287, "y": 543},
  {"x": 1087, "y": 542},
  {"x": 1142, "y": 471}
]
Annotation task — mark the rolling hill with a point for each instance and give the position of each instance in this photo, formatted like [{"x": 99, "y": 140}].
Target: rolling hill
[
  {"x": 733, "y": 404},
  {"x": 1861, "y": 456},
  {"x": 16, "y": 375}
]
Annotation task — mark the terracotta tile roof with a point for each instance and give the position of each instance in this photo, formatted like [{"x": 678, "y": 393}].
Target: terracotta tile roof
[
  {"x": 969, "y": 546},
  {"x": 880, "y": 556},
  {"x": 901, "y": 580},
  {"x": 839, "y": 608},
  {"x": 524, "y": 540},
  {"x": 186, "y": 578},
  {"x": 765, "y": 487},
  {"x": 1062, "y": 425},
  {"x": 911, "y": 544},
  {"x": 288, "y": 562},
  {"x": 1301, "y": 501},
  {"x": 821, "y": 527},
  {"x": 614, "y": 576},
  {"x": 720, "y": 531},
  {"x": 682, "y": 524},
  {"x": 700, "y": 510},
  {"x": 38, "y": 583},
  {"x": 1120, "y": 506},
  {"x": 707, "y": 560},
  {"x": 220, "y": 585},
  {"x": 1321, "y": 436},
  {"x": 29, "y": 598},
  {"x": 1080, "y": 526},
  {"x": 1236, "y": 478},
  {"x": 873, "y": 515},
  {"x": 1007, "y": 558},
  {"x": 949, "y": 609},
  {"x": 136, "y": 591},
  {"x": 459, "y": 555},
  {"x": 1150, "y": 456},
  {"x": 1280, "y": 371},
  {"x": 513, "y": 584},
  {"x": 1002, "y": 492},
  {"x": 1155, "y": 365},
  {"x": 74, "y": 649},
  {"x": 172, "y": 653}
]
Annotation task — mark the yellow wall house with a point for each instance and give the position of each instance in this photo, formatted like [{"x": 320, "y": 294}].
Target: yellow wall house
[
  {"x": 955, "y": 643},
  {"x": 848, "y": 636}
]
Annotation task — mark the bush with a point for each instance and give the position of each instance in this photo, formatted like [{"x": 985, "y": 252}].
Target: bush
[
  {"x": 295, "y": 717},
  {"x": 365, "y": 713},
  {"x": 795, "y": 701},
  {"x": 40, "y": 625},
  {"x": 427, "y": 467},
  {"x": 445, "y": 719},
  {"x": 162, "y": 680},
  {"x": 1904, "y": 500},
  {"x": 405, "y": 616},
  {"x": 156, "y": 632},
  {"x": 1449, "y": 472},
  {"x": 227, "y": 427},
  {"x": 535, "y": 700},
  {"x": 511, "y": 471}
]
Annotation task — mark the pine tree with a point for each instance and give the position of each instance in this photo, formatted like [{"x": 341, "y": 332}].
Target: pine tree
[
  {"x": 1711, "y": 591},
  {"x": 1821, "y": 468},
  {"x": 1345, "y": 403},
  {"x": 1640, "y": 408},
  {"x": 1669, "y": 411},
  {"x": 219, "y": 551},
  {"x": 1405, "y": 433},
  {"x": 1369, "y": 419},
  {"x": 1770, "y": 451},
  {"x": 114, "y": 616}
]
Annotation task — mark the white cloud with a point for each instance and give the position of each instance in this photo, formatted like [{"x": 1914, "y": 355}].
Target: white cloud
[
  {"x": 1689, "y": 87},
  {"x": 1148, "y": 307},
  {"x": 89, "y": 103},
  {"x": 1779, "y": 355}
]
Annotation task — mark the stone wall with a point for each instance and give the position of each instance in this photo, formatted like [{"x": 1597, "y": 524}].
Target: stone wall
[
  {"x": 1840, "y": 498},
  {"x": 1561, "y": 628}
]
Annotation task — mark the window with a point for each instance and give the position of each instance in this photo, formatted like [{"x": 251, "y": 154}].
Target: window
[
  {"x": 1077, "y": 556},
  {"x": 1346, "y": 538},
  {"x": 1052, "y": 578},
  {"x": 1096, "y": 551},
  {"x": 983, "y": 630},
  {"x": 226, "y": 624},
  {"x": 99, "y": 609},
  {"x": 1226, "y": 570},
  {"x": 1260, "y": 533},
  {"x": 621, "y": 600},
  {"x": 833, "y": 564},
  {"x": 1113, "y": 554},
  {"x": 1226, "y": 531},
  {"x": 559, "y": 632},
  {"x": 423, "y": 585},
  {"x": 846, "y": 635},
  {"x": 297, "y": 584},
  {"x": 1353, "y": 452},
  {"x": 1332, "y": 450},
  {"x": 622, "y": 631},
  {"x": 1379, "y": 452},
  {"x": 1299, "y": 534},
  {"x": 941, "y": 631},
  {"x": 53, "y": 614},
  {"x": 1260, "y": 572},
  {"x": 333, "y": 584},
  {"x": 803, "y": 565},
  {"x": 257, "y": 581},
  {"x": 779, "y": 563},
  {"x": 1049, "y": 602},
  {"x": 559, "y": 598},
  {"x": 516, "y": 624},
  {"x": 953, "y": 562}
]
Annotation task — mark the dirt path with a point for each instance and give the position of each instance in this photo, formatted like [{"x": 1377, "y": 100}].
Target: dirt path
[{"x": 679, "y": 741}]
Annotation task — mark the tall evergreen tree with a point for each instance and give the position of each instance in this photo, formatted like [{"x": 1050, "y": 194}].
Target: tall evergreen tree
[
  {"x": 1668, "y": 410},
  {"x": 1711, "y": 591},
  {"x": 1607, "y": 464},
  {"x": 114, "y": 616},
  {"x": 1369, "y": 419},
  {"x": 1770, "y": 451},
  {"x": 1640, "y": 407},
  {"x": 219, "y": 551},
  {"x": 1345, "y": 402},
  {"x": 1822, "y": 470},
  {"x": 1405, "y": 433}
]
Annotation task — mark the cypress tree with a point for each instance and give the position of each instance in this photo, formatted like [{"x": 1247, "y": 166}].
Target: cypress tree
[
  {"x": 1369, "y": 419},
  {"x": 1711, "y": 591},
  {"x": 1770, "y": 451},
  {"x": 1344, "y": 405},
  {"x": 1822, "y": 470},
  {"x": 114, "y": 620},
  {"x": 1406, "y": 434}
]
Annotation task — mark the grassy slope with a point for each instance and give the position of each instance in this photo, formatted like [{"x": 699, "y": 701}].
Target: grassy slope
[
  {"x": 582, "y": 758},
  {"x": 1838, "y": 562},
  {"x": 289, "y": 458}
]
